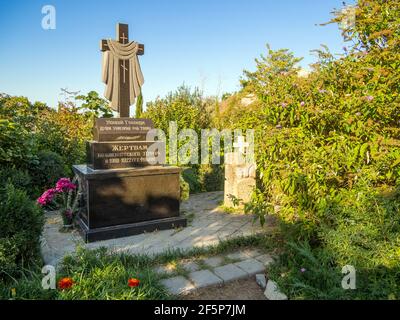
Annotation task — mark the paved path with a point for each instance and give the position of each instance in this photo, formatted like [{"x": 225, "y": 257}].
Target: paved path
[
  {"x": 207, "y": 225},
  {"x": 187, "y": 276}
]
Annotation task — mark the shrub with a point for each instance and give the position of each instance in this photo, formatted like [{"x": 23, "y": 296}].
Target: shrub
[
  {"x": 65, "y": 132},
  {"x": 17, "y": 146},
  {"x": 184, "y": 187},
  {"x": 185, "y": 107},
  {"x": 50, "y": 168},
  {"x": 191, "y": 177},
  {"x": 20, "y": 179},
  {"x": 211, "y": 177},
  {"x": 21, "y": 223},
  {"x": 327, "y": 151}
]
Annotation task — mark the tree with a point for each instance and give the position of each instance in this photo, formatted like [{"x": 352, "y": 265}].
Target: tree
[
  {"x": 95, "y": 105},
  {"x": 139, "y": 105}
]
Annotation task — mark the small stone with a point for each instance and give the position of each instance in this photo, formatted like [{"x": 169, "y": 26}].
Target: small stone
[
  {"x": 204, "y": 278},
  {"x": 230, "y": 272},
  {"x": 177, "y": 285},
  {"x": 213, "y": 261},
  {"x": 251, "y": 266},
  {"x": 272, "y": 291},
  {"x": 261, "y": 280}
]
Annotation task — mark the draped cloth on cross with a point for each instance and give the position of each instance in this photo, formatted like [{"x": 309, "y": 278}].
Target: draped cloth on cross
[{"x": 111, "y": 70}]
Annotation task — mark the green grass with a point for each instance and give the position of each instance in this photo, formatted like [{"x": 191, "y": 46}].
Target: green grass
[{"x": 99, "y": 274}]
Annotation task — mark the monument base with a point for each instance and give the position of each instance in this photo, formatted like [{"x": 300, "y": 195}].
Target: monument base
[
  {"x": 125, "y": 230},
  {"x": 122, "y": 202}
]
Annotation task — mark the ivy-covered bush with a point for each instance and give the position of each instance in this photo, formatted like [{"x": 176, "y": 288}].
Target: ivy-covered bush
[
  {"x": 21, "y": 223},
  {"x": 327, "y": 146}
]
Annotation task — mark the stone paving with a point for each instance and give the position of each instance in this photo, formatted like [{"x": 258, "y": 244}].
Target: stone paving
[
  {"x": 208, "y": 224},
  {"x": 211, "y": 271}
]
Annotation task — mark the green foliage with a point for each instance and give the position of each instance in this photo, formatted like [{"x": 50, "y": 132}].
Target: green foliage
[
  {"x": 183, "y": 106},
  {"x": 93, "y": 106},
  {"x": 204, "y": 178},
  {"x": 20, "y": 179},
  {"x": 211, "y": 177},
  {"x": 191, "y": 177},
  {"x": 65, "y": 132},
  {"x": 16, "y": 145},
  {"x": 21, "y": 223},
  {"x": 365, "y": 235},
  {"x": 327, "y": 145},
  {"x": 100, "y": 274},
  {"x": 139, "y": 106},
  {"x": 184, "y": 188},
  {"x": 49, "y": 169}
]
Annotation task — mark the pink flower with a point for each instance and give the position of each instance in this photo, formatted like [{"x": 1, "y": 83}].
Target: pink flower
[
  {"x": 302, "y": 103},
  {"x": 303, "y": 270},
  {"x": 284, "y": 104},
  {"x": 64, "y": 184},
  {"x": 47, "y": 197},
  {"x": 369, "y": 98}
]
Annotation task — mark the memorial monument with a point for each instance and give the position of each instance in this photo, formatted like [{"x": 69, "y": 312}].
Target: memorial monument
[{"x": 126, "y": 187}]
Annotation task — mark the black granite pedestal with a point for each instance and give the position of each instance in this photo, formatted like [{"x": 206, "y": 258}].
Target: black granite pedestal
[{"x": 122, "y": 202}]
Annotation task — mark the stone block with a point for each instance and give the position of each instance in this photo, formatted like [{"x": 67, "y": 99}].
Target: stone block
[
  {"x": 251, "y": 266},
  {"x": 204, "y": 278},
  {"x": 230, "y": 272},
  {"x": 178, "y": 285},
  {"x": 213, "y": 261},
  {"x": 261, "y": 280},
  {"x": 266, "y": 259},
  {"x": 272, "y": 291}
]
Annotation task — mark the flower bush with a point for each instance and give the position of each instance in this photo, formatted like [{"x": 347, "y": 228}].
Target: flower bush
[{"x": 65, "y": 198}]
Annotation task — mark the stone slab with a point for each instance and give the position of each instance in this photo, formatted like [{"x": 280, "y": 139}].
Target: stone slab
[
  {"x": 251, "y": 266},
  {"x": 164, "y": 270},
  {"x": 239, "y": 255},
  {"x": 125, "y": 154},
  {"x": 178, "y": 285},
  {"x": 230, "y": 272},
  {"x": 272, "y": 291},
  {"x": 204, "y": 278},
  {"x": 213, "y": 261},
  {"x": 261, "y": 280},
  {"x": 266, "y": 259},
  {"x": 121, "y": 129},
  {"x": 190, "y": 266}
]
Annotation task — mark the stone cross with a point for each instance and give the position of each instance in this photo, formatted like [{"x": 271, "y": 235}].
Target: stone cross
[
  {"x": 123, "y": 37},
  {"x": 241, "y": 145}
]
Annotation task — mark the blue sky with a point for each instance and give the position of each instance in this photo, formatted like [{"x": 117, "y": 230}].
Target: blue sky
[{"x": 203, "y": 43}]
